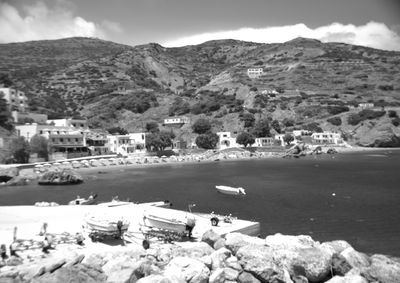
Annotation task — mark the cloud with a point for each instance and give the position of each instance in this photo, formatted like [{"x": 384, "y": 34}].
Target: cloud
[
  {"x": 372, "y": 34},
  {"x": 38, "y": 21}
]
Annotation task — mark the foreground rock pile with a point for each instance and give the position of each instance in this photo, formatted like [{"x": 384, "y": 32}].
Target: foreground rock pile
[{"x": 233, "y": 258}]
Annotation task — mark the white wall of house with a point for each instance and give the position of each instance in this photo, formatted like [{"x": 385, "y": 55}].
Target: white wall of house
[
  {"x": 75, "y": 123},
  {"x": 226, "y": 140},
  {"x": 16, "y": 99},
  {"x": 327, "y": 138},
  {"x": 176, "y": 120}
]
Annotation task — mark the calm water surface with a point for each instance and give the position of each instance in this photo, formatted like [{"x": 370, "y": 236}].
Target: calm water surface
[{"x": 355, "y": 196}]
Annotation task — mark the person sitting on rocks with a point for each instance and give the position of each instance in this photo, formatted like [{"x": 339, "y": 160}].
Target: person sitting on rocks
[
  {"x": 79, "y": 239},
  {"x": 46, "y": 245},
  {"x": 3, "y": 252}
]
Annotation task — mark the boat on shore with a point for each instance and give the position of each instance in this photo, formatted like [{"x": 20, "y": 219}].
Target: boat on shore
[
  {"x": 102, "y": 227},
  {"x": 170, "y": 220},
  {"x": 230, "y": 190}
]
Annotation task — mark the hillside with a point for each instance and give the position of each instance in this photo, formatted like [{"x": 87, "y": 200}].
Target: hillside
[{"x": 304, "y": 82}]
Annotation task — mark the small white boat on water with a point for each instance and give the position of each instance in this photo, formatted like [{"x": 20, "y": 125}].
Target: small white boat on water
[
  {"x": 230, "y": 190},
  {"x": 171, "y": 220}
]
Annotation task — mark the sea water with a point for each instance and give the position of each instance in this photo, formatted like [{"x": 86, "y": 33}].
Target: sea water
[{"x": 353, "y": 196}]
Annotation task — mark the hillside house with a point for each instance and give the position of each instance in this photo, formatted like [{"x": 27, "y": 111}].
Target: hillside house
[
  {"x": 366, "y": 105},
  {"x": 327, "y": 138},
  {"x": 300, "y": 133},
  {"x": 254, "y": 72},
  {"x": 21, "y": 117},
  {"x": 16, "y": 99},
  {"x": 129, "y": 144},
  {"x": 226, "y": 140},
  {"x": 263, "y": 142},
  {"x": 97, "y": 144},
  {"x": 69, "y": 122},
  {"x": 176, "y": 121}
]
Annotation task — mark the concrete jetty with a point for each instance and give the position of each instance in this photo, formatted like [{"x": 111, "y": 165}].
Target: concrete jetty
[{"x": 71, "y": 219}]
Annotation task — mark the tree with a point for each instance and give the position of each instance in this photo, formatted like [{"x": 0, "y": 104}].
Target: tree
[
  {"x": 201, "y": 126},
  {"x": 117, "y": 131},
  {"x": 152, "y": 127},
  {"x": 262, "y": 128},
  {"x": 288, "y": 138},
  {"x": 248, "y": 120},
  {"x": 276, "y": 126},
  {"x": 245, "y": 139},
  {"x": 166, "y": 139},
  {"x": 313, "y": 127},
  {"x": 38, "y": 144},
  {"x": 207, "y": 141},
  {"x": 19, "y": 149},
  {"x": 337, "y": 121},
  {"x": 5, "y": 114}
]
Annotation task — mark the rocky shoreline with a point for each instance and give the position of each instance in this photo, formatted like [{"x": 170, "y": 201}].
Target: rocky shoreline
[{"x": 231, "y": 258}]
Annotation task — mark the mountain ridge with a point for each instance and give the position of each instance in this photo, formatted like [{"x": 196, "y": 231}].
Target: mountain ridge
[{"x": 114, "y": 84}]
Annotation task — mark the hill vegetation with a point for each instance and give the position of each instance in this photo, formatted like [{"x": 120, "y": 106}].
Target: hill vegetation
[{"x": 305, "y": 84}]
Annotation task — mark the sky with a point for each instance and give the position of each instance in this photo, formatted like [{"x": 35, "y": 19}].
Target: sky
[{"x": 171, "y": 23}]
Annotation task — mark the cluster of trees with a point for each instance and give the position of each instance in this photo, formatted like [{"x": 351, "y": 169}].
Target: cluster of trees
[
  {"x": 5, "y": 114},
  {"x": 259, "y": 129},
  {"x": 20, "y": 149},
  {"x": 157, "y": 140},
  {"x": 206, "y": 138},
  {"x": 366, "y": 114},
  {"x": 213, "y": 101}
]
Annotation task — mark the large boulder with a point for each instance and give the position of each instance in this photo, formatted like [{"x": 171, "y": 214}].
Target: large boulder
[
  {"x": 355, "y": 258},
  {"x": 234, "y": 241},
  {"x": 246, "y": 277},
  {"x": 335, "y": 246},
  {"x": 218, "y": 258},
  {"x": 192, "y": 249},
  {"x": 157, "y": 278},
  {"x": 63, "y": 177},
  {"x": 340, "y": 266},
  {"x": 120, "y": 269},
  {"x": 75, "y": 273},
  {"x": 279, "y": 241},
  {"x": 8, "y": 173},
  {"x": 382, "y": 269},
  {"x": 260, "y": 262},
  {"x": 188, "y": 270},
  {"x": 347, "y": 279},
  {"x": 313, "y": 263},
  {"x": 210, "y": 237}
]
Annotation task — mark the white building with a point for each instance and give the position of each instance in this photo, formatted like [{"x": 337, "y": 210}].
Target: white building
[
  {"x": 299, "y": 133},
  {"x": 280, "y": 138},
  {"x": 226, "y": 140},
  {"x": 16, "y": 99},
  {"x": 327, "y": 138},
  {"x": 176, "y": 121},
  {"x": 125, "y": 145},
  {"x": 255, "y": 72},
  {"x": 366, "y": 105},
  {"x": 262, "y": 142},
  {"x": 74, "y": 123}
]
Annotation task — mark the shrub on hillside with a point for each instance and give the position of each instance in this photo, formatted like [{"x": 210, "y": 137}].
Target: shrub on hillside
[
  {"x": 392, "y": 114},
  {"x": 245, "y": 139},
  {"x": 385, "y": 87},
  {"x": 354, "y": 119},
  {"x": 370, "y": 114},
  {"x": 207, "y": 141},
  {"x": 313, "y": 127},
  {"x": 396, "y": 121},
  {"x": 336, "y": 121},
  {"x": 201, "y": 126},
  {"x": 248, "y": 120},
  {"x": 336, "y": 109}
]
